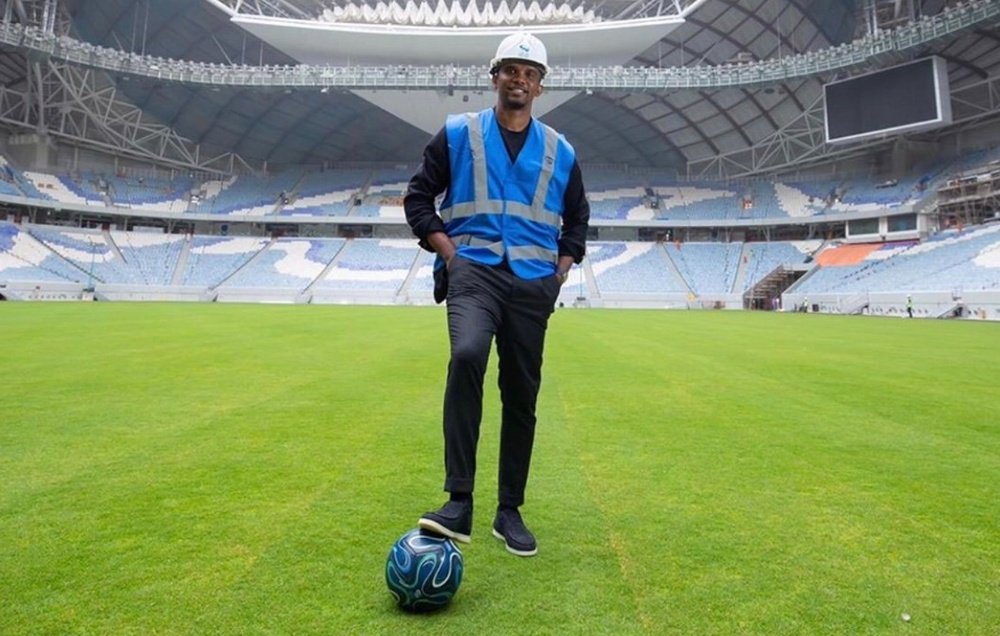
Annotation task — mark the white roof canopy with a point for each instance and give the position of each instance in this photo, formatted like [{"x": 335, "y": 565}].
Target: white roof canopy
[{"x": 316, "y": 42}]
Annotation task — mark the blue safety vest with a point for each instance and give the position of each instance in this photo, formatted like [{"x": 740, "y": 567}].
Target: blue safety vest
[{"x": 495, "y": 209}]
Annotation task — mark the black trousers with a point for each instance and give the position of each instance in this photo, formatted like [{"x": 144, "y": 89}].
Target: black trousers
[{"x": 487, "y": 303}]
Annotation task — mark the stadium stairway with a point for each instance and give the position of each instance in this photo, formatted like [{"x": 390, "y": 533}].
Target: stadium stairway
[
  {"x": 854, "y": 304},
  {"x": 404, "y": 289},
  {"x": 39, "y": 245},
  {"x": 178, "y": 277},
  {"x": 741, "y": 270},
  {"x": 588, "y": 271},
  {"x": 775, "y": 283},
  {"x": 41, "y": 241},
  {"x": 247, "y": 264},
  {"x": 293, "y": 192},
  {"x": 290, "y": 195},
  {"x": 672, "y": 266},
  {"x": 952, "y": 311},
  {"x": 209, "y": 190},
  {"x": 113, "y": 246},
  {"x": 801, "y": 281},
  {"x": 305, "y": 296},
  {"x": 359, "y": 195}
]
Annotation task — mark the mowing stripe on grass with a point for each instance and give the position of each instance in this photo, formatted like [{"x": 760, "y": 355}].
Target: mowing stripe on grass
[{"x": 183, "y": 469}]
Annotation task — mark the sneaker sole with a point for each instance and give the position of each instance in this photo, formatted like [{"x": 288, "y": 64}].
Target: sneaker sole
[
  {"x": 437, "y": 528},
  {"x": 512, "y": 550}
]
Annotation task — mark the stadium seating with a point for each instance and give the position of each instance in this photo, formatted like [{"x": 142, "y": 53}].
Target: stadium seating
[
  {"x": 955, "y": 260},
  {"x": 286, "y": 263},
  {"x": 150, "y": 192},
  {"x": 6, "y": 187},
  {"x": 615, "y": 195},
  {"x": 384, "y": 197},
  {"x": 632, "y": 268},
  {"x": 619, "y": 204},
  {"x": 326, "y": 193},
  {"x": 422, "y": 282},
  {"x": 24, "y": 258},
  {"x": 248, "y": 195},
  {"x": 708, "y": 268},
  {"x": 210, "y": 259},
  {"x": 698, "y": 200},
  {"x": 127, "y": 258},
  {"x": 8, "y": 179},
  {"x": 152, "y": 257},
  {"x": 56, "y": 190},
  {"x": 87, "y": 250},
  {"x": 372, "y": 265},
  {"x": 952, "y": 260}
]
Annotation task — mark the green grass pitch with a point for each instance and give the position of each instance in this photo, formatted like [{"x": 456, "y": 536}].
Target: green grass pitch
[{"x": 244, "y": 469}]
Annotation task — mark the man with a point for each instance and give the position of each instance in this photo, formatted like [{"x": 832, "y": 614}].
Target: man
[{"x": 512, "y": 223}]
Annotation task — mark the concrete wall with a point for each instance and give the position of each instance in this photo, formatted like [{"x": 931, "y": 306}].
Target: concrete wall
[
  {"x": 44, "y": 291},
  {"x": 971, "y": 305},
  {"x": 172, "y": 293}
]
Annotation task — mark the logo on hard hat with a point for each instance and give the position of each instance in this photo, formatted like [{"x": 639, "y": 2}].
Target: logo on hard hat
[{"x": 524, "y": 48}]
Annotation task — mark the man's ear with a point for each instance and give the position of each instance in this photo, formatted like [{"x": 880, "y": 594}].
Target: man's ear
[{"x": 540, "y": 90}]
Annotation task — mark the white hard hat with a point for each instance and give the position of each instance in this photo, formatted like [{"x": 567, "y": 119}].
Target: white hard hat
[{"x": 523, "y": 47}]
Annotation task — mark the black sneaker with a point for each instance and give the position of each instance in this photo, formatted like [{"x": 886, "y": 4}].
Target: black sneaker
[
  {"x": 509, "y": 528},
  {"x": 452, "y": 520}
]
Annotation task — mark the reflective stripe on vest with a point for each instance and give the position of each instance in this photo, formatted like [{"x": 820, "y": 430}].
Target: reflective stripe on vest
[
  {"x": 483, "y": 204},
  {"x": 530, "y": 232},
  {"x": 517, "y": 252}
]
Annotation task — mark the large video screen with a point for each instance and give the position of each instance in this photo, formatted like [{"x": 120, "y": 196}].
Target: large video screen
[{"x": 905, "y": 98}]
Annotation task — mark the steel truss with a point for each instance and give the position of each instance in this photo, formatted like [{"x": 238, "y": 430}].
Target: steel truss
[
  {"x": 897, "y": 44},
  {"x": 82, "y": 106},
  {"x": 79, "y": 105},
  {"x": 865, "y": 52},
  {"x": 802, "y": 141}
]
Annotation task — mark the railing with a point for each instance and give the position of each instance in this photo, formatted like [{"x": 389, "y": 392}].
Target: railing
[{"x": 629, "y": 78}]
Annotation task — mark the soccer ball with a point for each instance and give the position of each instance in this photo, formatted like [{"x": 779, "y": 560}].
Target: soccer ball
[{"x": 423, "y": 571}]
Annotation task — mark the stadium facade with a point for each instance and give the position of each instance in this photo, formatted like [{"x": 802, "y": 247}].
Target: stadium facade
[{"x": 265, "y": 145}]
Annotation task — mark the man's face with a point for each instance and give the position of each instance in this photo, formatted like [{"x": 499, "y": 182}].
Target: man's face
[{"x": 517, "y": 84}]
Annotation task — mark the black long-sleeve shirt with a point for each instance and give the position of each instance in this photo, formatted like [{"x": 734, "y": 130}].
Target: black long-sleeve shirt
[{"x": 434, "y": 176}]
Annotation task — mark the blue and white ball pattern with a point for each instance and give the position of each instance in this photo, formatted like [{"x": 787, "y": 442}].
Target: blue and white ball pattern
[{"x": 423, "y": 571}]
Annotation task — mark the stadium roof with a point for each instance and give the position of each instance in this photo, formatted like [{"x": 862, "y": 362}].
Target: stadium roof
[{"x": 665, "y": 130}]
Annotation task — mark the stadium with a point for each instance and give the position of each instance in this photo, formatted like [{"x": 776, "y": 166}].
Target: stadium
[
  {"x": 262, "y": 154},
  {"x": 749, "y": 443}
]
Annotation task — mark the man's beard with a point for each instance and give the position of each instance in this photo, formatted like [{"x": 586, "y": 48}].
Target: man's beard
[{"x": 510, "y": 104}]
